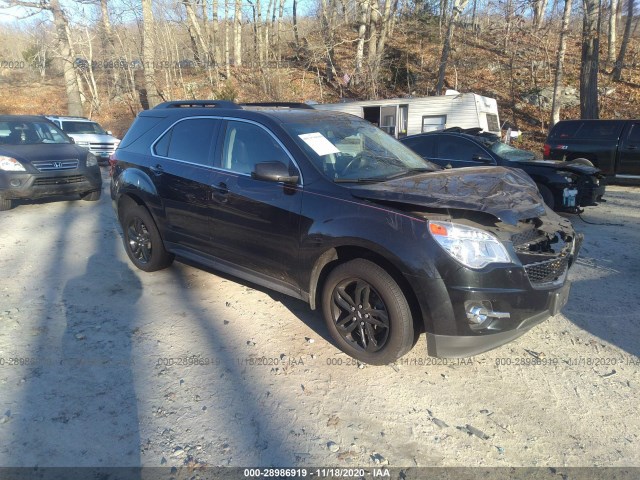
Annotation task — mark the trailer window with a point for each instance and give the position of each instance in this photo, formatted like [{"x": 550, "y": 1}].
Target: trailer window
[
  {"x": 492, "y": 122},
  {"x": 432, "y": 123}
]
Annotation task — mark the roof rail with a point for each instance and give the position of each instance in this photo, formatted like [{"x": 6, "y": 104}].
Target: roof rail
[
  {"x": 278, "y": 104},
  {"x": 199, "y": 103},
  {"x": 67, "y": 116}
]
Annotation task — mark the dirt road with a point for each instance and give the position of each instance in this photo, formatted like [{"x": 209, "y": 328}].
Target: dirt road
[{"x": 103, "y": 365}]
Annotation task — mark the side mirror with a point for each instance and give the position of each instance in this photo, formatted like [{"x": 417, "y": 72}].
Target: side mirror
[
  {"x": 72, "y": 140},
  {"x": 482, "y": 159},
  {"x": 274, "y": 171}
]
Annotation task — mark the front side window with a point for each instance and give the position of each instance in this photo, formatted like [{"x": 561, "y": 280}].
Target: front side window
[
  {"x": 246, "y": 144},
  {"x": 634, "y": 134}
]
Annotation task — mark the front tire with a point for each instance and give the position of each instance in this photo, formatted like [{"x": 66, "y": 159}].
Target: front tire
[
  {"x": 5, "y": 204},
  {"x": 366, "y": 313},
  {"x": 92, "y": 196},
  {"x": 142, "y": 240}
]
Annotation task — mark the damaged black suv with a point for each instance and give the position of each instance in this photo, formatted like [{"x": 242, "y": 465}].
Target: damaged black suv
[{"x": 327, "y": 208}]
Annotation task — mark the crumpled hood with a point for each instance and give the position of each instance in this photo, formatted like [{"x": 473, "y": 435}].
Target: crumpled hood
[
  {"x": 561, "y": 165},
  {"x": 506, "y": 193}
]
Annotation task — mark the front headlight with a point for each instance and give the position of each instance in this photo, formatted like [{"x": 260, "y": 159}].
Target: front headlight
[
  {"x": 83, "y": 143},
  {"x": 10, "y": 164},
  {"x": 472, "y": 247},
  {"x": 92, "y": 161},
  {"x": 569, "y": 176}
]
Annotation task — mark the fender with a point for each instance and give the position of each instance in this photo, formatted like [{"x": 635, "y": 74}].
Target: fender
[{"x": 135, "y": 183}]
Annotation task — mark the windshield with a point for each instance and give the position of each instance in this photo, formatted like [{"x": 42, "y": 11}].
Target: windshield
[
  {"x": 30, "y": 133},
  {"x": 511, "y": 153},
  {"x": 347, "y": 148},
  {"x": 83, "y": 127}
]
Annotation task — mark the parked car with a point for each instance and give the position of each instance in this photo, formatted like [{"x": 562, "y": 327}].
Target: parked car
[
  {"x": 325, "y": 207},
  {"x": 38, "y": 160},
  {"x": 88, "y": 134},
  {"x": 611, "y": 145},
  {"x": 565, "y": 186}
]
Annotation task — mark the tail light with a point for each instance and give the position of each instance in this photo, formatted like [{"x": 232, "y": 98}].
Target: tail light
[
  {"x": 112, "y": 164},
  {"x": 546, "y": 150}
]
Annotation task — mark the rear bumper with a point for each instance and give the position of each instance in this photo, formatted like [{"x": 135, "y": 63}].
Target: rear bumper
[{"x": 20, "y": 185}]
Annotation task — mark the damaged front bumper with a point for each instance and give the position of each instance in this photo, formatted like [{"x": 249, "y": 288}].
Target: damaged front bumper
[{"x": 473, "y": 311}]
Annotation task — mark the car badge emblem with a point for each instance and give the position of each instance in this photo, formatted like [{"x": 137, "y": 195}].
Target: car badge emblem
[{"x": 57, "y": 164}]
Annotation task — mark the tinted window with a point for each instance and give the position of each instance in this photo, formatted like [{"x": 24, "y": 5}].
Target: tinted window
[
  {"x": 423, "y": 146},
  {"x": 565, "y": 129},
  {"x": 83, "y": 127},
  {"x": 598, "y": 130},
  {"x": 30, "y": 133},
  {"x": 634, "y": 134},
  {"x": 162, "y": 146},
  {"x": 246, "y": 144},
  {"x": 457, "y": 148},
  {"x": 191, "y": 140}
]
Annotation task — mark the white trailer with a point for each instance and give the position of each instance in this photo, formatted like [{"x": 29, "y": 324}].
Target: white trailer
[{"x": 408, "y": 116}]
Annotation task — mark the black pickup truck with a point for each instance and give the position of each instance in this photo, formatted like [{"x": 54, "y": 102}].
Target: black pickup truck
[{"x": 611, "y": 145}]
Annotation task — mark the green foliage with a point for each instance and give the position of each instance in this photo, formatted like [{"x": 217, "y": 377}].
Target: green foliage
[{"x": 228, "y": 92}]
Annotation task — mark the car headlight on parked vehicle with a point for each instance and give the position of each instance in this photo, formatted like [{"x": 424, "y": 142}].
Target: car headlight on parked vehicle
[
  {"x": 92, "y": 161},
  {"x": 9, "y": 164},
  {"x": 83, "y": 143},
  {"x": 569, "y": 176},
  {"x": 472, "y": 247}
]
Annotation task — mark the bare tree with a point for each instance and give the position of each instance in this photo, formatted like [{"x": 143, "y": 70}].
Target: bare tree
[
  {"x": 237, "y": 34},
  {"x": 616, "y": 74},
  {"x": 611, "y": 47},
  {"x": 149, "y": 55},
  {"x": 65, "y": 51},
  {"x": 458, "y": 7},
  {"x": 589, "y": 107},
  {"x": 555, "y": 105},
  {"x": 539, "y": 7}
]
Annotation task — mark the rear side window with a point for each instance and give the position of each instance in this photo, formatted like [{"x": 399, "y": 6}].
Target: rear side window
[
  {"x": 423, "y": 146},
  {"x": 189, "y": 140},
  {"x": 593, "y": 130}
]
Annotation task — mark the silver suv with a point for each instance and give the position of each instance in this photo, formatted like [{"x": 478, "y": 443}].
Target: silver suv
[{"x": 88, "y": 134}]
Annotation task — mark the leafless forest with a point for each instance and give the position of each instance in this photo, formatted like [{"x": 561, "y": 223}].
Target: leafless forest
[{"x": 542, "y": 59}]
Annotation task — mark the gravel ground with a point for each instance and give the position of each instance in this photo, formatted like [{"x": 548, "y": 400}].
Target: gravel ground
[{"x": 104, "y": 365}]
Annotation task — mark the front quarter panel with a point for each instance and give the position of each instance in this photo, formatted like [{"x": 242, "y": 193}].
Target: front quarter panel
[{"x": 129, "y": 179}]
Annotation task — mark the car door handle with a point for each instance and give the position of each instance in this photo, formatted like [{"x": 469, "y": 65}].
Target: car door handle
[
  {"x": 220, "y": 192},
  {"x": 157, "y": 170},
  {"x": 632, "y": 147}
]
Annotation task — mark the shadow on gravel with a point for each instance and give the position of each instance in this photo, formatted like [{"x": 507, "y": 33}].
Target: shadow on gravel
[
  {"x": 78, "y": 406},
  {"x": 605, "y": 303},
  {"x": 261, "y": 438}
]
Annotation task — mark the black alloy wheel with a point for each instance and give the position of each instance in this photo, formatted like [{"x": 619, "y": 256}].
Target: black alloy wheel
[
  {"x": 367, "y": 313},
  {"x": 142, "y": 240}
]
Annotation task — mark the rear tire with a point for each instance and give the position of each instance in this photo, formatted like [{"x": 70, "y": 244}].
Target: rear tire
[
  {"x": 547, "y": 196},
  {"x": 5, "y": 204},
  {"x": 142, "y": 240},
  {"x": 92, "y": 196},
  {"x": 367, "y": 313}
]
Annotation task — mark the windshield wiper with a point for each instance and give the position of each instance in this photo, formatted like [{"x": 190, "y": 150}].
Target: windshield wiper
[
  {"x": 360, "y": 180},
  {"x": 410, "y": 171}
]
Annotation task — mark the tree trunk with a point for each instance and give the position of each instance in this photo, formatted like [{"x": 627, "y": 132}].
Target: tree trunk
[
  {"x": 616, "y": 74},
  {"x": 294, "y": 15},
  {"x": 148, "y": 53},
  {"x": 192, "y": 21},
  {"x": 611, "y": 47},
  {"x": 227, "y": 40},
  {"x": 555, "y": 106},
  {"x": 589, "y": 108},
  {"x": 446, "y": 47},
  {"x": 539, "y": 7},
  {"x": 363, "y": 7},
  {"x": 108, "y": 45},
  {"x": 74, "y": 100},
  {"x": 237, "y": 34},
  {"x": 214, "y": 40}
]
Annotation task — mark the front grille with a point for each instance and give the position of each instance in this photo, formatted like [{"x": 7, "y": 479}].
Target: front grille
[
  {"x": 523, "y": 238},
  {"x": 59, "y": 180},
  {"x": 549, "y": 271},
  {"x": 102, "y": 147},
  {"x": 56, "y": 165}
]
